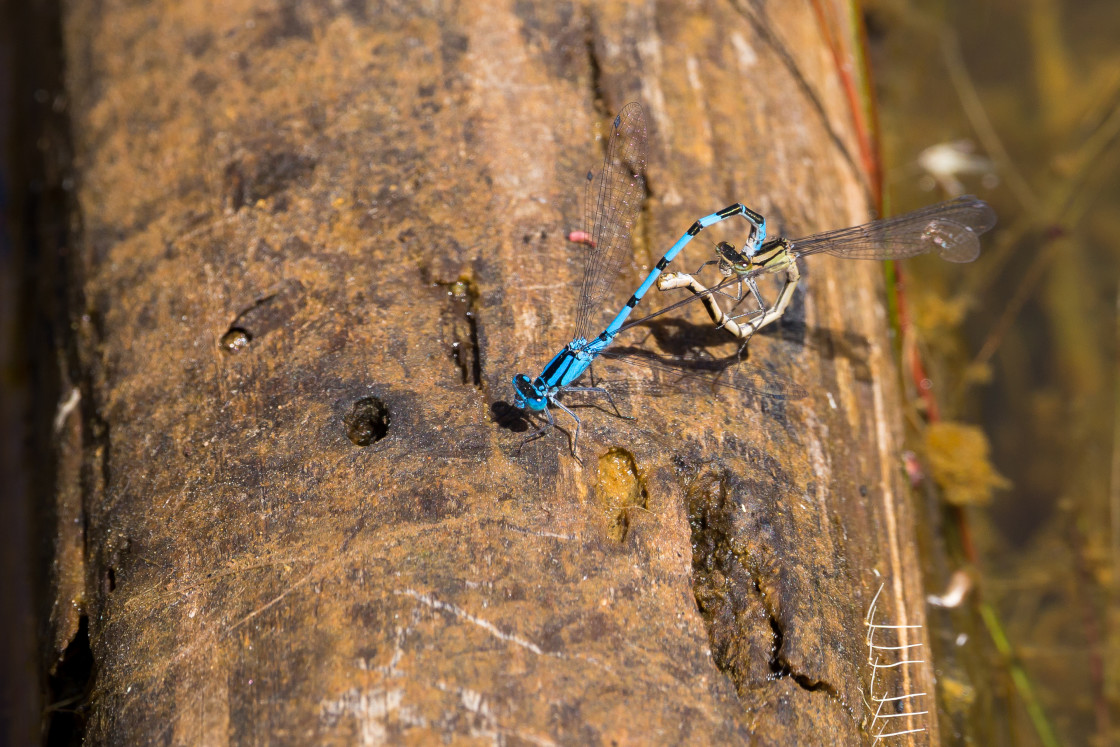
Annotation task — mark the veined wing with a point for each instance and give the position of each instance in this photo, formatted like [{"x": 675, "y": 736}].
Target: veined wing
[
  {"x": 611, "y": 205},
  {"x": 951, "y": 229}
]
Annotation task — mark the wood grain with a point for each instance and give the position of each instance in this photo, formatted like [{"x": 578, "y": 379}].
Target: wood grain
[{"x": 306, "y": 222}]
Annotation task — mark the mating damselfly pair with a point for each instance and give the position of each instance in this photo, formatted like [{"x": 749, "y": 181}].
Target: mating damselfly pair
[{"x": 613, "y": 200}]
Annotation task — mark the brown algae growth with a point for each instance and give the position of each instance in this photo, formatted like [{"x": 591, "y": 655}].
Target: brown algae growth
[{"x": 618, "y": 490}]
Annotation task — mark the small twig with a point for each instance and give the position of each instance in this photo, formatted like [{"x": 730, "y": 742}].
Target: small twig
[
  {"x": 1018, "y": 676},
  {"x": 978, "y": 116},
  {"x": 1114, "y": 506},
  {"x": 1026, "y": 289},
  {"x": 866, "y": 136}
]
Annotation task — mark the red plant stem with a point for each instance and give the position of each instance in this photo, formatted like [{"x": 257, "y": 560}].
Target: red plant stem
[
  {"x": 917, "y": 369},
  {"x": 866, "y": 136}
]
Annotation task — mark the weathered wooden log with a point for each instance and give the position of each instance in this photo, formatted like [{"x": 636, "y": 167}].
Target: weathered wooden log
[{"x": 318, "y": 239}]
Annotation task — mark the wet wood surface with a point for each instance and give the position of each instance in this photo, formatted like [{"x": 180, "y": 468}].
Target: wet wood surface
[{"x": 317, "y": 241}]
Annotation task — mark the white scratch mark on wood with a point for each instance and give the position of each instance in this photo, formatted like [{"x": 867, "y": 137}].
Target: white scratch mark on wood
[
  {"x": 275, "y": 600},
  {"x": 489, "y": 627},
  {"x": 488, "y": 725},
  {"x": 744, "y": 52},
  {"x": 693, "y": 68},
  {"x": 372, "y": 710}
]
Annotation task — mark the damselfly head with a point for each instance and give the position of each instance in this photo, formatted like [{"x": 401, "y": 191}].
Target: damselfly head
[
  {"x": 526, "y": 395},
  {"x": 731, "y": 260}
]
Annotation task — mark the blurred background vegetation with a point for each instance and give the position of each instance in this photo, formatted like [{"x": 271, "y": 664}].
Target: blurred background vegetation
[{"x": 1017, "y": 101}]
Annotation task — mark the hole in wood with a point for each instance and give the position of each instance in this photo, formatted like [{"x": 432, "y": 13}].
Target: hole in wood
[
  {"x": 235, "y": 340},
  {"x": 367, "y": 422}
]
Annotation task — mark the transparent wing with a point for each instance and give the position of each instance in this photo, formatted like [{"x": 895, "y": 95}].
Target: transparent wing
[
  {"x": 951, "y": 229},
  {"x": 706, "y": 377},
  {"x": 611, "y": 207}
]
